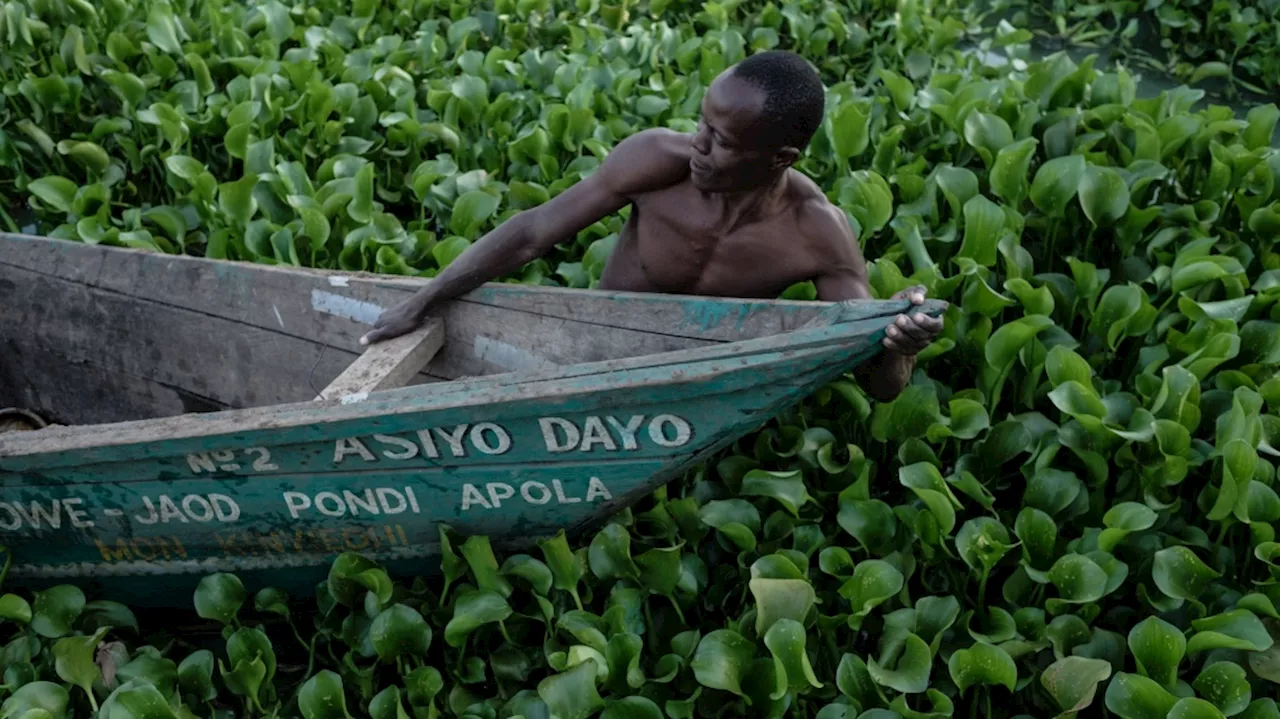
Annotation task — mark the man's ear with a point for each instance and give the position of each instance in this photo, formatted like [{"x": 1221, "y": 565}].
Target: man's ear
[{"x": 785, "y": 157}]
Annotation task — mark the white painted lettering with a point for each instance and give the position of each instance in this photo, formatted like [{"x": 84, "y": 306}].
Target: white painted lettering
[
  {"x": 595, "y": 433},
  {"x": 77, "y": 516},
  {"x": 351, "y": 445},
  {"x": 527, "y": 491},
  {"x": 560, "y": 496},
  {"x": 338, "y": 508},
  {"x": 428, "y": 444},
  {"x": 500, "y": 444},
  {"x": 224, "y": 508},
  {"x": 263, "y": 463},
  {"x": 596, "y": 488},
  {"x": 192, "y": 502},
  {"x": 408, "y": 450},
  {"x": 628, "y": 432},
  {"x": 152, "y": 517},
  {"x": 296, "y": 502},
  {"x": 682, "y": 429},
  {"x": 385, "y": 494},
  {"x": 367, "y": 503},
  {"x": 226, "y": 458},
  {"x": 471, "y": 495},
  {"x": 169, "y": 510},
  {"x": 201, "y": 462},
  {"x": 413, "y": 501},
  {"x": 13, "y": 521},
  {"x": 454, "y": 439},
  {"x": 499, "y": 491},
  {"x": 549, "y": 425},
  {"x": 53, "y": 515}
]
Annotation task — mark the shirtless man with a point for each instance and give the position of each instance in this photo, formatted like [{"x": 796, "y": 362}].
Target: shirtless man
[{"x": 718, "y": 213}]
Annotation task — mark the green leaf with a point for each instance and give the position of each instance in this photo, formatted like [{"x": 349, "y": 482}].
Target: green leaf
[
  {"x": 849, "y": 130},
  {"x": 236, "y": 199},
  {"x": 1226, "y": 686},
  {"x": 1122, "y": 520},
  {"x": 1073, "y": 681},
  {"x": 982, "y": 542},
  {"x": 1056, "y": 184},
  {"x": 988, "y": 133},
  {"x": 787, "y": 488},
  {"x": 874, "y": 582},
  {"x": 1236, "y": 629},
  {"x": 572, "y": 694},
  {"x": 609, "y": 555},
  {"x": 1130, "y": 696},
  {"x": 1262, "y": 121},
  {"x": 924, "y": 480},
  {"x": 1158, "y": 648},
  {"x": 1180, "y": 574},
  {"x": 1077, "y": 400},
  {"x": 1008, "y": 176},
  {"x": 722, "y": 660},
  {"x": 635, "y": 707},
  {"x": 470, "y": 211},
  {"x": 780, "y": 599},
  {"x": 55, "y": 191},
  {"x": 982, "y": 664},
  {"x": 1194, "y": 708},
  {"x": 219, "y": 597},
  {"x": 1104, "y": 196},
  {"x": 162, "y": 28},
  {"x": 56, "y": 609},
  {"x": 30, "y": 699},
  {"x": 1078, "y": 578},
  {"x": 870, "y": 521},
  {"x": 911, "y": 674},
  {"x": 15, "y": 609},
  {"x": 983, "y": 222},
  {"x": 866, "y": 196},
  {"x": 792, "y": 669},
  {"x": 195, "y": 675},
  {"x": 471, "y": 611},
  {"x": 322, "y": 697},
  {"x": 74, "y": 661},
  {"x": 565, "y": 568},
  {"x": 400, "y": 630}
]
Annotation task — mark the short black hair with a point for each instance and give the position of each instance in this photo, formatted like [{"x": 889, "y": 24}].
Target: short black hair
[{"x": 794, "y": 98}]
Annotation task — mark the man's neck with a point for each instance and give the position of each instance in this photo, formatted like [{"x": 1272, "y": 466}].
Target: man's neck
[{"x": 749, "y": 204}]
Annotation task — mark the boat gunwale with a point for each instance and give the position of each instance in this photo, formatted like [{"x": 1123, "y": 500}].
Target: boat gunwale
[{"x": 518, "y": 385}]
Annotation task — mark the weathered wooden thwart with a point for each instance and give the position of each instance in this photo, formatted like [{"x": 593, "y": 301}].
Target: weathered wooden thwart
[{"x": 214, "y": 416}]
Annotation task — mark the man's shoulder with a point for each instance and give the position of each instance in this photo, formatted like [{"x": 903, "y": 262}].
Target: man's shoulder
[
  {"x": 817, "y": 218},
  {"x": 649, "y": 159}
]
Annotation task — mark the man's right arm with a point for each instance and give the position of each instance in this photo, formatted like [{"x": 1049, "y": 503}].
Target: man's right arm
[{"x": 647, "y": 160}]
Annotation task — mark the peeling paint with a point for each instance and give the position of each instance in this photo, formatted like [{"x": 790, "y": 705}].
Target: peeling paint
[
  {"x": 333, "y": 304},
  {"x": 508, "y": 356}
]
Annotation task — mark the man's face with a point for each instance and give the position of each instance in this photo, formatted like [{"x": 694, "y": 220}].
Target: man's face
[{"x": 730, "y": 151}]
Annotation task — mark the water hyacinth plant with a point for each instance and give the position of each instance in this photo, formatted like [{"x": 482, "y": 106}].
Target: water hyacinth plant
[{"x": 1071, "y": 509}]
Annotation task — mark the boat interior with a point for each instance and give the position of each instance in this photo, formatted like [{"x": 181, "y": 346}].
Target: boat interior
[{"x": 95, "y": 335}]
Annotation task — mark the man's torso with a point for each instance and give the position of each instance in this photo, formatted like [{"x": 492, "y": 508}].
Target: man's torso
[{"x": 678, "y": 241}]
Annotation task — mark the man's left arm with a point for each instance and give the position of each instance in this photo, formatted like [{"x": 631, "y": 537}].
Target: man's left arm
[{"x": 845, "y": 278}]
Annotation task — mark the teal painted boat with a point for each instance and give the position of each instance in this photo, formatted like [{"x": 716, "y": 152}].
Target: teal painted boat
[{"x": 207, "y": 416}]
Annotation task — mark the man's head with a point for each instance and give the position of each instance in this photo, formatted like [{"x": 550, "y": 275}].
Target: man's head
[{"x": 757, "y": 117}]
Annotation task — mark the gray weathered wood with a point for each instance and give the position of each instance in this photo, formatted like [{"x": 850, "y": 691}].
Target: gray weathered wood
[{"x": 388, "y": 364}]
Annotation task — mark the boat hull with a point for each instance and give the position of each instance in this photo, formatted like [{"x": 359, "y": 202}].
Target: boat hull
[{"x": 144, "y": 509}]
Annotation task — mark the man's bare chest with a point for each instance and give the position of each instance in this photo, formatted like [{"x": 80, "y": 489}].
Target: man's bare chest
[{"x": 681, "y": 245}]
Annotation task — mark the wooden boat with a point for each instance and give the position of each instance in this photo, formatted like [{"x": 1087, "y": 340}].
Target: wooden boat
[{"x": 211, "y": 416}]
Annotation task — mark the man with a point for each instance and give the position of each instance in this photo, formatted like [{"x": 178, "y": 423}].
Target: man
[{"x": 719, "y": 213}]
